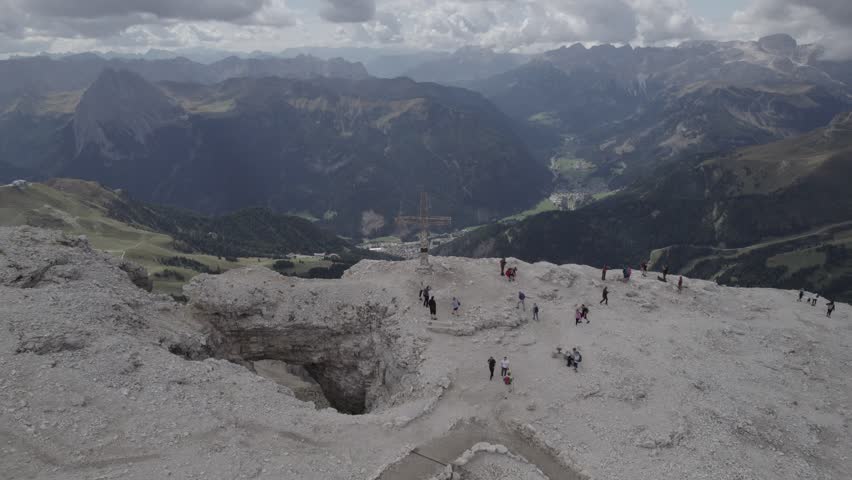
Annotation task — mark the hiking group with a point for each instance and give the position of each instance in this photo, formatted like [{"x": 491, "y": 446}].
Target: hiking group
[
  {"x": 429, "y": 301},
  {"x": 812, "y": 301},
  {"x": 505, "y": 373}
]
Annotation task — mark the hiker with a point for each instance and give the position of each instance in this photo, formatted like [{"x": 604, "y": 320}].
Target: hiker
[
  {"x": 521, "y": 298},
  {"x": 577, "y": 358},
  {"x": 629, "y": 272},
  {"x": 585, "y": 312},
  {"x": 830, "y": 306},
  {"x": 644, "y": 268},
  {"x": 504, "y": 366},
  {"x": 491, "y": 363},
  {"x": 569, "y": 359},
  {"x": 578, "y": 314},
  {"x": 605, "y": 296},
  {"x": 801, "y": 293},
  {"x": 456, "y": 305},
  {"x": 426, "y": 295},
  {"x": 535, "y": 311},
  {"x": 680, "y": 284},
  {"x": 514, "y": 273},
  {"x": 502, "y": 266},
  {"x": 815, "y": 300},
  {"x": 625, "y": 276},
  {"x": 665, "y": 273},
  {"x": 510, "y": 274},
  {"x": 603, "y": 272},
  {"x": 433, "y": 308},
  {"x": 507, "y": 379}
]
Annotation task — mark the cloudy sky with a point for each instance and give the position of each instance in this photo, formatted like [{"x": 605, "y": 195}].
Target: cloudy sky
[{"x": 28, "y": 26}]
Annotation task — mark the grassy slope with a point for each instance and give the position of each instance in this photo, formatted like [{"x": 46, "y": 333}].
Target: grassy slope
[{"x": 81, "y": 213}]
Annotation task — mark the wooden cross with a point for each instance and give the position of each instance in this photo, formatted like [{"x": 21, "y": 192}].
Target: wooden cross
[{"x": 424, "y": 221}]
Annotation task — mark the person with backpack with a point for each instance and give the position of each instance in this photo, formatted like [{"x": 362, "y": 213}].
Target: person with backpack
[
  {"x": 433, "y": 308},
  {"x": 521, "y": 298},
  {"x": 815, "y": 300},
  {"x": 680, "y": 284},
  {"x": 535, "y": 311},
  {"x": 625, "y": 276},
  {"x": 801, "y": 294},
  {"x": 605, "y": 296},
  {"x": 577, "y": 357},
  {"x": 426, "y": 295},
  {"x": 585, "y": 312},
  {"x": 504, "y": 366},
  {"x": 665, "y": 273},
  {"x": 456, "y": 306},
  {"x": 491, "y": 363},
  {"x": 830, "y": 306},
  {"x": 644, "y": 268},
  {"x": 502, "y": 266}
]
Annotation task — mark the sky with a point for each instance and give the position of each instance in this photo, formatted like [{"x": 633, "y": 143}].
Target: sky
[{"x": 32, "y": 26}]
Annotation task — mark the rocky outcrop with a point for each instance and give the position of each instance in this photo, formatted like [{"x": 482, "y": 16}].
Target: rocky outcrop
[{"x": 341, "y": 332}]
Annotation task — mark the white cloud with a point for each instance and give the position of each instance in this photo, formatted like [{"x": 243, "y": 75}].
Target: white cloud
[
  {"x": 518, "y": 25},
  {"x": 828, "y": 22},
  {"x": 348, "y": 11}
]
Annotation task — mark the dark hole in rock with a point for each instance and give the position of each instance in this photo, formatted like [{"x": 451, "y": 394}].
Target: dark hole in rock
[
  {"x": 294, "y": 377},
  {"x": 341, "y": 333}
]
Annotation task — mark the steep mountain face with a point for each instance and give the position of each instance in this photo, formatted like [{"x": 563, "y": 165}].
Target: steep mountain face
[
  {"x": 776, "y": 193},
  {"x": 39, "y": 75},
  {"x": 622, "y": 111},
  {"x": 703, "y": 119},
  {"x": 349, "y": 152},
  {"x": 121, "y": 107}
]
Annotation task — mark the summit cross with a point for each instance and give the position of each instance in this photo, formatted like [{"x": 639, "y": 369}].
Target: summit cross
[{"x": 424, "y": 221}]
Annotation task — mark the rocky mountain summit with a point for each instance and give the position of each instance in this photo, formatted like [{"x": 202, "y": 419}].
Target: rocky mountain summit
[{"x": 101, "y": 379}]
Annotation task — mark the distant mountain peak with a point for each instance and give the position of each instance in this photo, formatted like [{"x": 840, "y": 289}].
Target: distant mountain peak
[
  {"x": 121, "y": 100},
  {"x": 780, "y": 43}
]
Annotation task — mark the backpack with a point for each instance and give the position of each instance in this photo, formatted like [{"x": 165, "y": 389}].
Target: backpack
[
  {"x": 507, "y": 380},
  {"x": 521, "y": 295},
  {"x": 579, "y": 358}
]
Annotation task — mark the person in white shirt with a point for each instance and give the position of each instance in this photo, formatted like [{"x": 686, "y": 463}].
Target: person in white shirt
[{"x": 504, "y": 366}]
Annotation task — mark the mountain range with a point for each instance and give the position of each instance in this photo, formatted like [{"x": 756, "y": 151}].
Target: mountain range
[
  {"x": 776, "y": 214},
  {"x": 43, "y": 74},
  {"x": 720, "y": 159},
  {"x": 604, "y": 116},
  {"x": 349, "y": 152}
]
